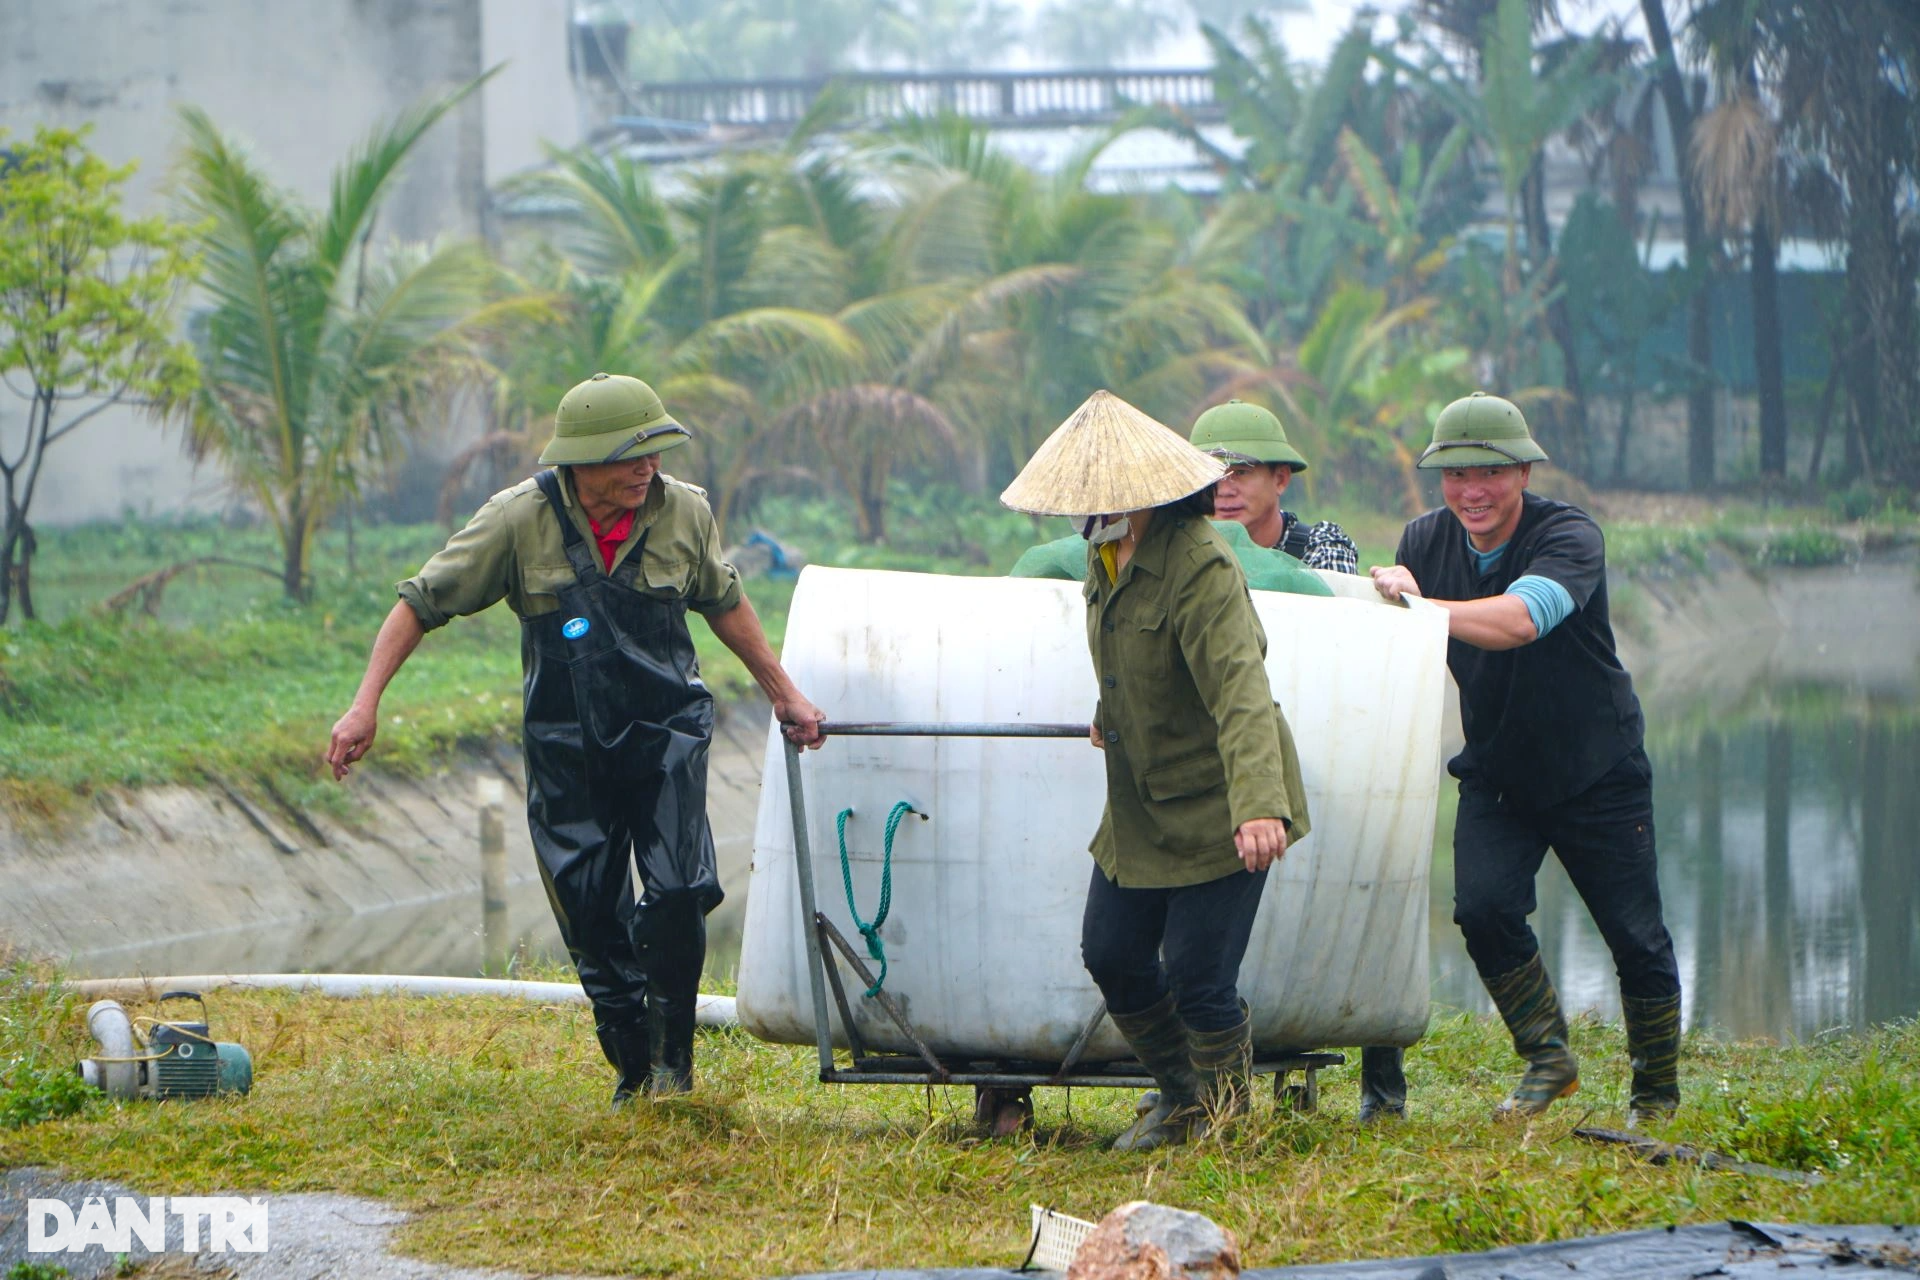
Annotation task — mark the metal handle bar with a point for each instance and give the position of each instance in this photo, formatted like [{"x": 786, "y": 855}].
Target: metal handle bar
[{"x": 959, "y": 729}]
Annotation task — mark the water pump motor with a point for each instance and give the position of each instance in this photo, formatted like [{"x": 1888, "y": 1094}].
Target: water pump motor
[{"x": 173, "y": 1060}]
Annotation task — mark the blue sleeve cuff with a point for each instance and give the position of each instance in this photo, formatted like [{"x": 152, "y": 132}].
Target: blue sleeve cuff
[{"x": 1548, "y": 603}]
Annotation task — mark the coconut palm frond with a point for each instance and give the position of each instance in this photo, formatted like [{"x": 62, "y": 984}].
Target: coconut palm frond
[
  {"x": 946, "y": 230},
  {"x": 1731, "y": 158},
  {"x": 797, "y": 266},
  {"x": 361, "y": 180},
  {"x": 313, "y": 373},
  {"x": 612, "y": 220}
]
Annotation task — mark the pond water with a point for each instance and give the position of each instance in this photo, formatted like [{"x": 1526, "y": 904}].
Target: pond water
[
  {"x": 1789, "y": 872},
  {"x": 1786, "y": 814}
]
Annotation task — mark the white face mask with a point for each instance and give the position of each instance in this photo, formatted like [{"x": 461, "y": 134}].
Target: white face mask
[{"x": 1103, "y": 529}]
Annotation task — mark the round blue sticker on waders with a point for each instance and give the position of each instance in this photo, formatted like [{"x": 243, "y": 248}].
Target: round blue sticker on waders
[{"x": 574, "y": 628}]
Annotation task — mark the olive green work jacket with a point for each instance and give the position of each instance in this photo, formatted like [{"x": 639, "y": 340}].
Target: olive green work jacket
[
  {"x": 1195, "y": 745},
  {"x": 512, "y": 550}
]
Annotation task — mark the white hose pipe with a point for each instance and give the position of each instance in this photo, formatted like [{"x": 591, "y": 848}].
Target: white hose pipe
[
  {"x": 709, "y": 1011},
  {"x": 115, "y": 1071}
]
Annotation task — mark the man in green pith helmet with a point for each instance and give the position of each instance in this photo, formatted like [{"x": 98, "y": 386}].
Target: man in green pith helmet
[
  {"x": 601, "y": 555},
  {"x": 1261, "y": 463},
  {"x": 1269, "y": 565},
  {"x": 1554, "y": 755}
]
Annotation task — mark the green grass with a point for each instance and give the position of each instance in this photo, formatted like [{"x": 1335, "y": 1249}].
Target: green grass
[
  {"x": 230, "y": 680},
  {"x": 488, "y": 1119}
]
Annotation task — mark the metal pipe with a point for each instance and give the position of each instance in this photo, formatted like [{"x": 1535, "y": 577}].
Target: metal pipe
[
  {"x": 803, "y": 867},
  {"x": 961, "y": 729},
  {"x": 1084, "y": 1080},
  {"x": 709, "y": 1011}
]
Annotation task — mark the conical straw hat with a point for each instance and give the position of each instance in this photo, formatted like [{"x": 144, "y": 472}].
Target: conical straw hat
[{"x": 1109, "y": 457}]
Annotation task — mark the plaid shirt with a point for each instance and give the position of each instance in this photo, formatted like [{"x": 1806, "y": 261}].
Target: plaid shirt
[{"x": 1321, "y": 546}]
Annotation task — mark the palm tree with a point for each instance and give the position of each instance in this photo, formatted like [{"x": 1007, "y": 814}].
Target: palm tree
[
  {"x": 1736, "y": 168},
  {"x": 1055, "y": 289},
  {"x": 1681, "y": 111},
  {"x": 1849, "y": 82},
  {"x": 754, "y": 304},
  {"x": 321, "y": 353},
  {"x": 1515, "y": 109}
]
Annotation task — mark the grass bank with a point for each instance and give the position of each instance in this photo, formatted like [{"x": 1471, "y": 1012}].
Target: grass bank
[
  {"x": 226, "y": 678},
  {"x": 488, "y": 1119}
]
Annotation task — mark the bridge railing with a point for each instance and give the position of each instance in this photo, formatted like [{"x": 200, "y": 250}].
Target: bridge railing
[{"x": 1007, "y": 99}]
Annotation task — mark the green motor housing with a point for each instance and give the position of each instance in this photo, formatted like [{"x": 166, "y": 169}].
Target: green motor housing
[{"x": 189, "y": 1063}]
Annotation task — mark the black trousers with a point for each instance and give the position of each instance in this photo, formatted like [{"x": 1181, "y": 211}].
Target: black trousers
[
  {"x": 1200, "y": 929},
  {"x": 1604, "y": 839}
]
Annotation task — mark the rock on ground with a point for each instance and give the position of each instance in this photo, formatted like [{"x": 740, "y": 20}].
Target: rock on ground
[{"x": 1147, "y": 1241}]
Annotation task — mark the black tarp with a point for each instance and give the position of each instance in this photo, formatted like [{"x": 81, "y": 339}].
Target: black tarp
[{"x": 1730, "y": 1250}]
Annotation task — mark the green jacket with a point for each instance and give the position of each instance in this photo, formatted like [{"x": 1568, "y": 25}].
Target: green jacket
[
  {"x": 1195, "y": 745},
  {"x": 1266, "y": 569},
  {"x": 512, "y": 550}
]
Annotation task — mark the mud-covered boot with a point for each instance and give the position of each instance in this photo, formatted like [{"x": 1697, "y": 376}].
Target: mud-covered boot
[
  {"x": 1159, "y": 1039},
  {"x": 1653, "y": 1049},
  {"x": 1527, "y": 1001},
  {"x": 1383, "y": 1083},
  {"x": 1223, "y": 1064},
  {"x": 628, "y": 1047}
]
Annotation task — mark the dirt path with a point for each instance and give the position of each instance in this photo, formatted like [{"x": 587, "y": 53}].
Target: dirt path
[{"x": 310, "y": 1236}]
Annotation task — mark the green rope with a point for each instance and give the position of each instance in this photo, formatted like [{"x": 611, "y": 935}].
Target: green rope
[{"x": 871, "y": 930}]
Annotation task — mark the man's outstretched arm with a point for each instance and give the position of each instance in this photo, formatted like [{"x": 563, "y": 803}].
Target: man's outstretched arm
[
  {"x": 353, "y": 732},
  {"x": 1496, "y": 622},
  {"x": 739, "y": 629}
]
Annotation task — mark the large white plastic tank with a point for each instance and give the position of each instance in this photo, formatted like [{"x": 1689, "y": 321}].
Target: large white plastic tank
[{"x": 983, "y": 937}]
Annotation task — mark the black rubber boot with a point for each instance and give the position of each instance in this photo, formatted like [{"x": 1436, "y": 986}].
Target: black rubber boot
[
  {"x": 672, "y": 1025},
  {"x": 627, "y": 1047},
  {"x": 1383, "y": 1083},
  {"x": 670, "y": 933},
  {"x": 1223, "y": 1065},
  {"x": 1531, "y": 1008},
  {"x": 1653, "y": 1049},
  {"x": 1159, "y": 1039}
]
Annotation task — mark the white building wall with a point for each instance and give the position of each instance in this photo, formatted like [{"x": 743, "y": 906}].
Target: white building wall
[{"x": 301, "y": 84}]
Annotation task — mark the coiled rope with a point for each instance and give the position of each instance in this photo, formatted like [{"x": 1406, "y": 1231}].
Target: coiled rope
[{"x": 870, "y": 930}]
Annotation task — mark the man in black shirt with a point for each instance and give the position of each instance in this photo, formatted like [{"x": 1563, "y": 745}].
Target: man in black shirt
[{"x": 1554, "y": 757}]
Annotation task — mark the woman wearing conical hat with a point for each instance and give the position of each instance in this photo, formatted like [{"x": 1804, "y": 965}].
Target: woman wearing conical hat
[{"x": 1203, "y": 786}]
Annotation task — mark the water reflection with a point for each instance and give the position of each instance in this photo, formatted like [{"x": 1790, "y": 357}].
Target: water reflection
[{"x": 1788, "y": 868}]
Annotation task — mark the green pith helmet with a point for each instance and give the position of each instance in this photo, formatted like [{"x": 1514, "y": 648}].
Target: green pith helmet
[
  {"x": 1480, "y": 431},
  {"x": 1241, "y": 432},
  {"x": 610, "y": 418}
]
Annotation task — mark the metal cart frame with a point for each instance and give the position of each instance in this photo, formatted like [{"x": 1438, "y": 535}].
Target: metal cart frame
[{"x": 928, "y": 1068}]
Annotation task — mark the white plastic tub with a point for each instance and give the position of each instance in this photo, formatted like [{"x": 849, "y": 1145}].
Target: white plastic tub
[{"x": 983, "y": 936}]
